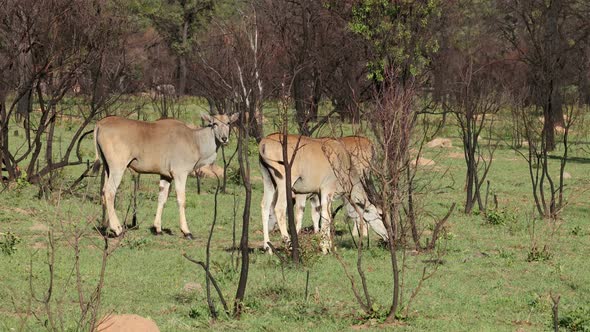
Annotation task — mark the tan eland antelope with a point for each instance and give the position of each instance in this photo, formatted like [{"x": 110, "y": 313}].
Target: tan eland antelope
[
  {"x": 321, "y": 166},
  {"x": 361, "y": 153},
  {"x": 166, "y": 147}
]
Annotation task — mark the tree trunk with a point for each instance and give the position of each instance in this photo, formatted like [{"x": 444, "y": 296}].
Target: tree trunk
[
  {"x": 244, "y": 250},
  {"x": 37, "y": 144},
  {"x": 346, "y": 107},
  {"x": 287, "y": 162},
  {"x": 25, "y": 84},
  {"x": 316, "y": 96},
  {"x": 300, "y": 109},
  {"x": 553, "y": 112},
  {"x": 255, "y": 126},
  {"x": 391, "y": 223},
  {"x": 24, "y": 105},
  {"x": 549, "y": 127},
  {"x": 4, "y": 153},
  {"x": 411, "y": 211},
  {"x": 469, "y": 145},
  {"x": 469, "y": 202},
  {"x": 584, "y": 89},
  {"x": 211, "y": 105},
  {"x": 182, "y": 70},
  {"x": 49, "y": 146},
  {"x": 557, "y": 107},
  {"x": 182, "y": 61}
]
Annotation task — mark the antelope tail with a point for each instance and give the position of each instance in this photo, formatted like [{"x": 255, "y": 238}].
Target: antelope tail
[{"x": 96, "y": 165}]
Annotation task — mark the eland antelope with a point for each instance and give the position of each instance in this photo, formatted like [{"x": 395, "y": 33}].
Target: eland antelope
[
  {"x": 361, "y": 153},
  {"x": 321, "y": 166},
  {"x": 166, "y": 147}
]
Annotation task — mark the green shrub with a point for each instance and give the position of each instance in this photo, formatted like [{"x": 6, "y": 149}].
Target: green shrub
[
  {"x": 576, "y": 320},
  {"x": 538, "y": 255},
  {"x": 498, "y": 217},
  {"x": 8, "y": 243},
  {"x": 308, "y": 249},
  {"x": 577, "y": 230},
  {"x": 135, "y": 243},
  {"x": 21, "y": 181}
]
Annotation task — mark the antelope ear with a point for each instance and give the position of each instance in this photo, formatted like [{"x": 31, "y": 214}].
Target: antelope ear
[
  {"x": 234, "y": 117},
  {"x": 206, "y": 117}
]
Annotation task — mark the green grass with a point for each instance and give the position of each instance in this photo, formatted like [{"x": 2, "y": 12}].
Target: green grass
[{"x": 484, "y": 284}]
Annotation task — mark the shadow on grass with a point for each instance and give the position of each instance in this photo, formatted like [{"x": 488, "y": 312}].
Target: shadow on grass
[
  {"x": 166, "y": 231},
  {"x": 576, "y": 160},
  {"x": 237, "y": 248}
]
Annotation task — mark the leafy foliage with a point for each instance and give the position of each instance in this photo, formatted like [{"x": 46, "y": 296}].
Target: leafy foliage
[
  {"x": 171, "y": 18},
  {"x": 400, "y": 34}
]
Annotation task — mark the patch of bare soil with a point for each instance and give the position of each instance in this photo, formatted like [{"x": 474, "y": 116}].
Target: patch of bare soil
[
  {"x": 423, "y": 162},
  {"x": 38, "y": 227},
  {"x": 371, "y": 324},
  {"x": 190, "y": 287},
  {"x": 39, "y": 245},
  {"x": 127, "y": 323},
  {"x": 457, "y": 155},
  {"x": 256, "y": 244},
  {"x": 27, "y": 212}
]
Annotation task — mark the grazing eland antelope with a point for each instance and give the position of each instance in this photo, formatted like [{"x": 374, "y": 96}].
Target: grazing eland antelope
[
  {"x": 361, "y": 153},
  {"x": 321, "y": 166},
  {"x": 166, "y": 147}
]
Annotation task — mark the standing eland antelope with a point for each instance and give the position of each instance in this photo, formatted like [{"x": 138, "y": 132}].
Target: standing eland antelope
[
  {"x": 320, "y": 166},
  {"x": 361, "y": 153},
  {"x": 166, "y": 147}
]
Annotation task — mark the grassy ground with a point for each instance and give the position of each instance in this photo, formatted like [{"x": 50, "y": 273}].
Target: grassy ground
[{"x": 485, "y": 282}]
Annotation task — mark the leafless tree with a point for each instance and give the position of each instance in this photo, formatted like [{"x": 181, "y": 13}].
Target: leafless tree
[
  {"x": 313, "y": 46},
  {"x": 548, "y": 194},
  {"x": 207, "y": 265},
  {"x": 475, "y": 101},
  {"x": 548, "y": 36},
  {"x": 233, "y": 55},
  {"x": 68, "y": 42},
  {"x": 241, "y": 89},
  {"x": 45, "y": 301},
  {"x": 179, "y": 23},
  {"x": 393, "y": 120}
]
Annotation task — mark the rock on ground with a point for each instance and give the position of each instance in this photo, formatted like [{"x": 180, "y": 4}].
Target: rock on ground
[
  {"x": 210, "y": 171},
  {"x": 126, "y": 323},
  {"x": 440, "y": 143},
  {"x": 192, "y": 287}
]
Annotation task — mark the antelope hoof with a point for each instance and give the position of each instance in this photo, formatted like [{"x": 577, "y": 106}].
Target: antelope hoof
[
  {"x": 117, "y": 231},
  {"x": 188, "y": 236},
  {"x": 266, "y": 247},
  {"x": 288, "y": 244},
  {"x": 111, "y": 234}
]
